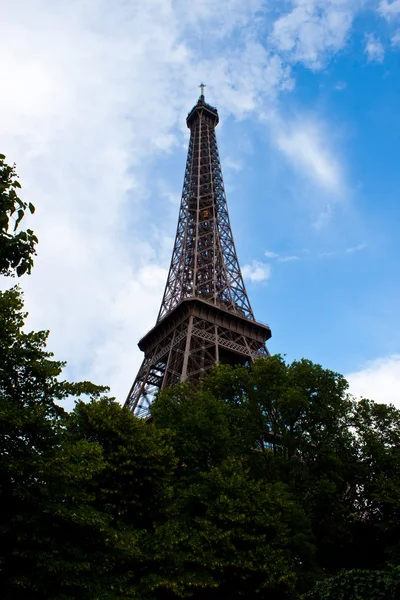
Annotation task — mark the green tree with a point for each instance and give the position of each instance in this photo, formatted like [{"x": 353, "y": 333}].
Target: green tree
[
  {"x": 17, "y": 248},
  {"x": 80, "y": 492},
  {"x": 359, "y": 584},
  {"x": 230, "y": 536},
  {"x": 135, "y": 485},
  {"x": 54, "y": 542},
  {"x": 339, "y": 457},
  {"x": 377, "y": 492},
  {"x": 296, "y": 425},
  {"x": 233, "y": 530},
  {"x": 46, "y": 502},
  {"x": 134, "y": 489}
]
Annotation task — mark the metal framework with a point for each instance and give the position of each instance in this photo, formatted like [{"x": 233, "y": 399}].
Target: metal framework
[{"x": 205, "y": 316}]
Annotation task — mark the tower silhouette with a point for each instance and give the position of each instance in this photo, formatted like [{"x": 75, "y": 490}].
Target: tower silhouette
[{"x": 205, "y": 316}]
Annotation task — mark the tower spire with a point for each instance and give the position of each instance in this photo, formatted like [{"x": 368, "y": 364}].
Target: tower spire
[
  {"x": 205, "y": 315},
  {"x": 202, "y": 86}
]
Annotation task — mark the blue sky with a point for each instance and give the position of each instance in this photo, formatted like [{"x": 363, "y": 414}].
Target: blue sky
[{"x": 308, "y": 95}]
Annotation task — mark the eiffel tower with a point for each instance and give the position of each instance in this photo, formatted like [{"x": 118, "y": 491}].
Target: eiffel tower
[{"x": 205, "y": 316}]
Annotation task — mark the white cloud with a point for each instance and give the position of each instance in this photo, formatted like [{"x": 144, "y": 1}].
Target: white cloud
[
  {"x": 358, "y": 248},
  {"x": 323, "y": 218},
  {"x": 218, "y": 18},
  {"x": 256, "y": 271},
  {"x": 232, "y": 164},
  {"x": 305, "y": 144},
  {"x": 340, "y": 86},
  {"x": 310, "y": 33},
  {"x": 288, "y": 258},
  {"x": 389, "y": 8},
  {"x": 314, "y": 30},
  {"x": 278, "y": 258},
  {"x": 95, "y": 92},
  {"x": 395, "y": 39},
  {"x": 379, "y": 380},
  {"x": 374, "y": 48}
]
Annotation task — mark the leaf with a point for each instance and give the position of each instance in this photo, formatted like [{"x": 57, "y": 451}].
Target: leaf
[{"x": 19, "y": 218}]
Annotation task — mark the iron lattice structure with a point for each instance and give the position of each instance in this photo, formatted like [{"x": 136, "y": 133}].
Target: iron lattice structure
[{"x": 205, "y": 316}]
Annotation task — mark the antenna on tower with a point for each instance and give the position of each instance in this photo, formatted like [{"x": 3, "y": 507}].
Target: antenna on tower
[{"x": 202, "y": 86}]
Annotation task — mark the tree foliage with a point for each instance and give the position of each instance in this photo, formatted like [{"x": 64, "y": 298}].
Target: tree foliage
[
  {"x": 295, "y": 425},
  {"x": 43, "y": 472},
  {"x": 17, "y": 248},
  {"x": 356, "y": 584}
]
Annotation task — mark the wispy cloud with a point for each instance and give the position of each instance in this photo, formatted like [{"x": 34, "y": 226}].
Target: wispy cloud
[
  {"x": 389, "y": 8},
  {"x": 374, "y": 48},
  {"x": 350, "y": 250},
  {"x": 314, "y": 30},
  {"x": 323, "y": 218},
  {"x": 288, "y": 258},
  {"x": 281, "y": 258},
  {"x": 304, "y": 143},
  {"x": 257, "y": 271},
  {"x": 379, "y": 380},
  {"x": 357, "y": 248},
  {"x": 341, "y": 85},
  {"x": 395, "y": 39},
  {"x": 232, "y": 164}
]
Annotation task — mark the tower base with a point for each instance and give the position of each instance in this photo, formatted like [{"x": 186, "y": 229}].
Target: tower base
[{"x": 187, "y": 342}]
